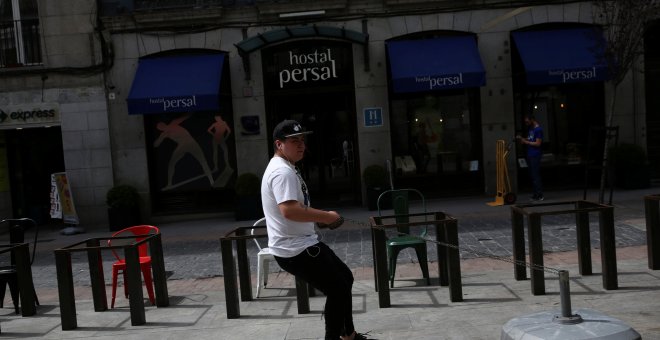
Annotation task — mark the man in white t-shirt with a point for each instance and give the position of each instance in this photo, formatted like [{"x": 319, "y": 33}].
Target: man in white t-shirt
[{"x": 292, "y": 238}]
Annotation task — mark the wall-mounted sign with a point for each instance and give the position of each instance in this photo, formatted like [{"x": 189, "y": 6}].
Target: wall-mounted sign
[
  {"x": 373, "y": 116},
  {"x": 29, "y": 114},
  {"x": 307, "y": 64}
]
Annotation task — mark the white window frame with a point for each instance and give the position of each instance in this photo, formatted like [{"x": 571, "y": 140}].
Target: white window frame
[{"x": 17, "y": 35}]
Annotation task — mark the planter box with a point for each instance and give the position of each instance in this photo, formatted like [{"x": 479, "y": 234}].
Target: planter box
[
  {"x": 120, "y": 218},
  {"x": 635, "y": 178},
  {"x": 372, "y": 199},
  {"x": 248, "y": 208},
  {"x": 631, "y": 177}
]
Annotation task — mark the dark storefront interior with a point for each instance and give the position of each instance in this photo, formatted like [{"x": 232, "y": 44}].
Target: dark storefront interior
[
  {"x": 436, "y": 130},
  {"x": 326, "y": 106},
  {"x": 441, "y": 134},
  {"x": 570, "y": 113},
  {"x": 652, "y": 85},
  {"x": 329, "y": 167},
  {"x": 33, "y": 154},
  {"x": 190, "y": 144},
  {"x": 197, "y": 182}
]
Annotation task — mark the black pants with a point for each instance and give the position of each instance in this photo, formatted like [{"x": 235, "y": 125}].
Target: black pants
[
  {"x": 319, "y": 266},
  {"x": 535, "y": 173}
]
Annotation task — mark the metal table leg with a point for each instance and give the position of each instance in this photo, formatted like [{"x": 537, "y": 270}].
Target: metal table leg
[
  {"x": 518, "y": 240},
  {"x": 231, "y": 284},
  {"x": 381, "y": 264},
  {"x": 453, "y": 262},
  {"x": 158, "y": 268},
  {"x": 536, "y": 254},
  {"x": 134, "y": 285},
  {"x": 95, "y": 262},
  {"x": 65, "y": 290},
  {"x": 608, "y": 249}
]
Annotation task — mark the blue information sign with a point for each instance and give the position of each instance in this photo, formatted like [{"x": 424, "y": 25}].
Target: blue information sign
[{"x": 373, "y": 116}]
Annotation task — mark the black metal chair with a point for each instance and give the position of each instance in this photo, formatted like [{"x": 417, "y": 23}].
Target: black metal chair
[{"x": 8, "y": 274}]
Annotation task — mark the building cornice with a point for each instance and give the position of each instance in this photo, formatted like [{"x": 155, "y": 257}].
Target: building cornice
[{"x": 269, "y": 13}]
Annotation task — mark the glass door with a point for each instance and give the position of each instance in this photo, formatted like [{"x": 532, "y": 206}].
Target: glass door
[{"x": 330, "y": 167}]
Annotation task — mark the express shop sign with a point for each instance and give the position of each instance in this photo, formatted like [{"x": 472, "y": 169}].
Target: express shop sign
[
  {"x": 17, "y": 115},
  {"x": 297, "y": 67}
]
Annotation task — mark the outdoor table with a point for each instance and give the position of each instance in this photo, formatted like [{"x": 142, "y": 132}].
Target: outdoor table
[
  {"x": 133, "y": 275},
  {"x": 652, "y": 211},
  {"x": 449, "y": 266},
  {"x": 581, "y": 209},
  {"x": 21, "y": 254},
  {"x": 239, "y": 236}
]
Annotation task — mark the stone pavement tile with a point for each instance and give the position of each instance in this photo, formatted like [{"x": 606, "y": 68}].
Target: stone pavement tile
[{"x": 491, "y": 298}]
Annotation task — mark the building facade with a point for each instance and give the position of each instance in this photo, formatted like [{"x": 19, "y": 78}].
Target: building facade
[
  {"x": 53, "y": 108},
  {"x": 180, "y": 96}
]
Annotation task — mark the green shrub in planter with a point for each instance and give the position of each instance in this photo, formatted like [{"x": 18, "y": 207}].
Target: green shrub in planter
[
  {"x": 123, "y": 207},
  {"x": 375, "y": 179},
  {"x": 248, "y": 197},
  {"x": 247, "y": 184},
  {"x": 122, "y": 196},
  {"x": 630, "y": 166},
  {"x": 375, "y": 176}
]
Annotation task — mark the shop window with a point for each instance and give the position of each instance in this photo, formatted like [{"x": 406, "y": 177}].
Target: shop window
[
  {"x": 436, "y": 133},
  {"x": 192, "y": 161},
  {"x": 566, "y": 113},
  {"x": 19, "y": 33},
  {"x": 652, "y": 85},
  {"x": 570, "y": 112}
]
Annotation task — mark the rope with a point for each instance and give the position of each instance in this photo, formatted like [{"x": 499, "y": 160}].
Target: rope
[{"x": 475, "y": 252}]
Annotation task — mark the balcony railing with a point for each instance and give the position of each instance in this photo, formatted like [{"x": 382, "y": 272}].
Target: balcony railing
[{"x": 20, "y": 43}]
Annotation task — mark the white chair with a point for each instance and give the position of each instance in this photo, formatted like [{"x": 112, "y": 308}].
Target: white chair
[{"x": 264, "y": 257}]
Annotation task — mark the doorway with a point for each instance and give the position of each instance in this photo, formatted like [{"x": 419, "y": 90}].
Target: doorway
[
  {"x": 330, "y": 166},
  {"x": 652, "y": 85},
  {"x": 32, "y": 156}
]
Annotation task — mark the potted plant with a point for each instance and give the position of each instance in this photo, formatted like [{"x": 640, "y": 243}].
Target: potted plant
[
  {"x": 248, "y": 197},
  {"x": 629, "y": 166},
  {"x": 123, "y": 207},
  {"x": 375, "y": 179}
]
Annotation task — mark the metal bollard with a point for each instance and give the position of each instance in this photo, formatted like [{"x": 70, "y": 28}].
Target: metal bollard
[
  {"x": 567, "y": 317},
  {"x": 567, "y": 325}
]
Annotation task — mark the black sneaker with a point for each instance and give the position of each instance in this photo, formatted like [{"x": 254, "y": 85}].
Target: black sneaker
[{"x": 537, "y": 198}]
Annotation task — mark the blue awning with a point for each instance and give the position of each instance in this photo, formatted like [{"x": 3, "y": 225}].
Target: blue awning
[
  {"x": 435, "y": 64},
  {"x": 563, "y": 55},
  {"x": 187, "y": 83}
]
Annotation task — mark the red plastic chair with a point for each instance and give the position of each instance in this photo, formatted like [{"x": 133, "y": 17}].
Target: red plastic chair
[{"x": 145, "y": 261}]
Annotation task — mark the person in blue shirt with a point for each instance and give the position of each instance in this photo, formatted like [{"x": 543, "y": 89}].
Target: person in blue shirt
[{"x": 533, "y": 142}]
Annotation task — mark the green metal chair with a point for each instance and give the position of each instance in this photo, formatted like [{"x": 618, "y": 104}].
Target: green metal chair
[{"x": 400, "y": 203}]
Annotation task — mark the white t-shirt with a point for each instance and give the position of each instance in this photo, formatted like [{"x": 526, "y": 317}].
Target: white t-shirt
[{"x": 280, "y": 183}]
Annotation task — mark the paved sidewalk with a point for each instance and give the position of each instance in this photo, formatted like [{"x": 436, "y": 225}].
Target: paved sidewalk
[{"x": 492, "y": 296}]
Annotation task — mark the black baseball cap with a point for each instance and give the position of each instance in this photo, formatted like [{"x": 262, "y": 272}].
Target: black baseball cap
[{"x": 288, "y": 128}]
